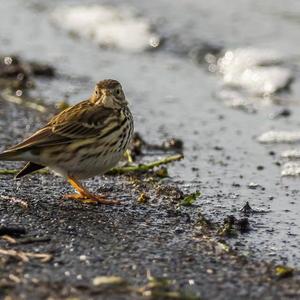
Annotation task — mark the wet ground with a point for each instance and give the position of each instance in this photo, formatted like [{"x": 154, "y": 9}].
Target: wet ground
[{"x": 172, "y": 94}]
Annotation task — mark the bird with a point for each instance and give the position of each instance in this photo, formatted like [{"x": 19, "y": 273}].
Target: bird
[{"x": 82, "y": 141}]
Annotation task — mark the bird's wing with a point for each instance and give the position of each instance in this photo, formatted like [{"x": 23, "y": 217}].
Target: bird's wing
[
  {"x": 86, "y": 121},
  {"x": 78, "y": 122},
  {"x": 43, "y": 137}
]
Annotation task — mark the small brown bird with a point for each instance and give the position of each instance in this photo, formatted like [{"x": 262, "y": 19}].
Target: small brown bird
[{"x": 82, "y": 141}]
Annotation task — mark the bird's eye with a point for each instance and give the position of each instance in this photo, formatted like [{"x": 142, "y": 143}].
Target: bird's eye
[{"x": 118, "y": 91}]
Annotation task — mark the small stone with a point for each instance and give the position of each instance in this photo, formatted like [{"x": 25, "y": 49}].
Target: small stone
[
  {"x": 108, "y": 280},
  {"x": 82, "y": 257},
  {"x": 173, "y": 144},
  {"x": 284, "y": 112},
  {"x": 253, "y": 185},
  {"x": 178, "y": 230},
  {"x": 218, "y": 148}
]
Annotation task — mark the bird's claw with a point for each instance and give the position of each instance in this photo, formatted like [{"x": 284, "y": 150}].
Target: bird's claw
[{"x": 92, "y": 199}]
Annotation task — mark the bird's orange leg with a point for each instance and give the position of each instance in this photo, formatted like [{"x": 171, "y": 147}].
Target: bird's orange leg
[{"x": 85, "y": 196}]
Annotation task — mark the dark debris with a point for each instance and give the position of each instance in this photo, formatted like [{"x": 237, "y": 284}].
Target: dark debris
[
  {"x": 140, "y": 147},
  {"x": 12, "y": 230},
  {"x": 17, "y": 74}
]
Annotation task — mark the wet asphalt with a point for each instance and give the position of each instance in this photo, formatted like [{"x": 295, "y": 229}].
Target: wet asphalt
[{"x": 223, "y": 160}]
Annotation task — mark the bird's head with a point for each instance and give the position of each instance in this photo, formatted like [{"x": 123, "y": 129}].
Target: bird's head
[{"x": 109, "y": 93}]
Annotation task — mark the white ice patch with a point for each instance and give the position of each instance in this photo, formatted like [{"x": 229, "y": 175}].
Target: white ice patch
[
  {"x": 260, "y": 80},
  {"x": 279, "y": 137},
  {"x": 291, "y": 154},
  {"x": 242, "y": 58},
  {"x": 253, "y": 69},
  {"x": 290, "y": 169},
  {"x": 107, "y": 26},
  {"x": 238, "y": 100}
]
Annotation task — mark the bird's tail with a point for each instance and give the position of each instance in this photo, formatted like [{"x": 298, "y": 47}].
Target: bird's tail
[{"x": 9, "y": 155}]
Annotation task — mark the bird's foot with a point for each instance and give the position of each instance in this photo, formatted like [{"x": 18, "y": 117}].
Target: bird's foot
[
  {"x": 85, "y": 196},
  {"x": 92, "y": 199}
]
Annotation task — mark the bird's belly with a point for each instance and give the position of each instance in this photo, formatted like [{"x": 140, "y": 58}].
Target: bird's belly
[{"x": 88, "y": 167}]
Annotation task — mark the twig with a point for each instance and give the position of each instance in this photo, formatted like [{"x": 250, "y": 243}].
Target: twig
[
  {"x": 25, "y": 256},
  {"x": 9, "y": 239},
  {"x": 27, "y": 240},
  {"x": 15, "y": 200},
  {"x": 18, "y": 100},
  {"x": 30, "y": 240}
]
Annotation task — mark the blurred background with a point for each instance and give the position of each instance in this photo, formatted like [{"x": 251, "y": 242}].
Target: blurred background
[{"x": 222, "y": 76}]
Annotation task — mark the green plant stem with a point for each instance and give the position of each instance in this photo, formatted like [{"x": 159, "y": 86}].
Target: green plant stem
[
  {"x": 120, "y": 170},
  {"x": 146, "y": 167}
]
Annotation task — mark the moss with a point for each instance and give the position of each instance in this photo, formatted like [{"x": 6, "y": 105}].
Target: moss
[
  {"x": 190, "y": 199},
  {"x": 162, "y": 172},
  {"x": 283, "y": 271}
]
